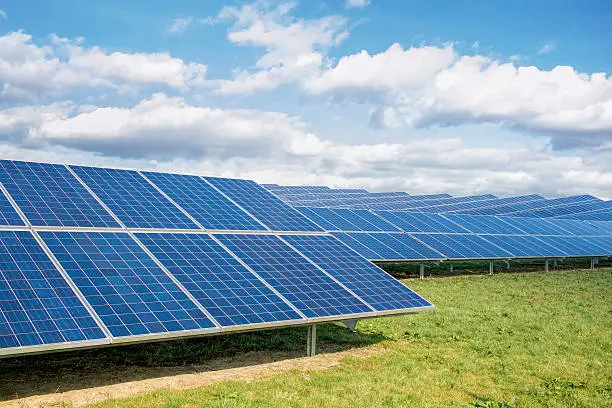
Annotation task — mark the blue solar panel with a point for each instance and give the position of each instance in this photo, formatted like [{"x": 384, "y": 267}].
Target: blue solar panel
[
  {"x": 605, "y": 243},
  {"x": 303, "y": 284},
  {"x": 524, "y": 246},
  {"x": 575, "y": 227},
  {"x": 365, "y": 220},
  {"x": 533, "y": 226},
  {"x": 420, "y": 222},
  {"x": 268, "y": 209},
  {"x": 483, "y": 224},
  {"x": 49, "y": 195},
  {"x": 8, "y": 215},
  {"x": 316, "y": 218},
  {"x": 366, "y": 280},
  {"x": 36, "y": 304},
  {"x": 384, "y": 252},
  {"x": 462, "y": 246},
  {"x": 131, "y": 294},
  {"x": 333, "y": 219},
  {"x": 230, "y": 292},
  {"x": 205, "y": 204},
  {"x": 605, "y": 226},
  {"x": 133, "y": 199},
  {"x": 363, "y": 250},
  {"x": 573, "y": 246},
  {"x": 408, "y": 247}
]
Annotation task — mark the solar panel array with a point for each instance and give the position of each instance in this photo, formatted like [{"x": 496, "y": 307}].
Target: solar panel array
[{"x": 92, "y": 256}]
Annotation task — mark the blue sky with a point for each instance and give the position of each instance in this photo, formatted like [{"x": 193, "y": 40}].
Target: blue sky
[{"x": 465, "y": 96}]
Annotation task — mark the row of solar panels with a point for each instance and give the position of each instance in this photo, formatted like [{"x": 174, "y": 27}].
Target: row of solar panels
[
  {"x": 576, "y": 207},
  {"x": 92, "y": 256},
  {"x": 401, "y": 235}
]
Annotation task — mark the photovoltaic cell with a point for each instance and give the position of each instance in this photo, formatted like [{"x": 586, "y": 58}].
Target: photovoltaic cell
[
  {"x": 524, "y": 246},
  {"x": 131, "y": 294},
  {"x": 357, "y": 246},
  {"x": 573, "y": 246},
  {"x": 420, "y": 222},
  {"x": 483, "y": 224},
  {"x": 575, "y": 227},
  {"x": 533, "y": 226},
  {"x": 366, "y": 280},
  {"x": 384, "y": 251},
  {"x": 37, "y": 307},
  {"x": 205, "y": 204},
  {"x": 408, "y": 247},
  {"x": 8, "y": 215},
  {"x": 49, "y": 195},
  {"x": 605, "y": 243},
  {"x": 337, "y": 222},
  {"x": 365, "y": 220},
  {"x": 133, "y": 199},
  {"x": 264, "y": 206},
  {"x": 309, "y": 289},
  {"x": 462, "y": 246},
  {"x": 228, "y": 291}
]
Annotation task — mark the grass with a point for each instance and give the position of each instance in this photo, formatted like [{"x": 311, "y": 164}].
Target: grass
[{"x": 511, "y": 340}]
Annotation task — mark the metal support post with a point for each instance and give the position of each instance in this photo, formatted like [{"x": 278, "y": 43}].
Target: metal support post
[
  {"x": 593, "y": 263},
  {"x": 507, "y": 262},
  {"x": 451, "y": 267},
  {"x": 311, "y": 340},
  {"x": 490, "y": 267},
  {"x": 546, "y": 265},
  {"x": 555, "y": 264},
  {"x": 422, "y": 271}
]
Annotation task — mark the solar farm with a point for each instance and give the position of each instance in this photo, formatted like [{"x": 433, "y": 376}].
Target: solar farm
[{"x": 95, "y": 257}]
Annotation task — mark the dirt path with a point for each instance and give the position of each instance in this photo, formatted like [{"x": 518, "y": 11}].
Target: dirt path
[{"x": 247, "y": 367}]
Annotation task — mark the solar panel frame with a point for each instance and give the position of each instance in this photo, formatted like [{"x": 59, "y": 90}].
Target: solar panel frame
[{"x": 10, "y": 215}]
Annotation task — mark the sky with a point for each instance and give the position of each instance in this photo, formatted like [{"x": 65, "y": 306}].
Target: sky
[{"x": 463, "y": 97}]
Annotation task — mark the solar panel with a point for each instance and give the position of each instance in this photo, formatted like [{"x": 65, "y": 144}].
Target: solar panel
[
  {"x": 334, "y": 221},
  {"x": 533, "y": 226},
  {"x": 462, "y": 246},
  {"x": 362, "y": 249},
  {"x": 365, "y": 220},
  {"x": 316, "y": 218},
  {"x": 483, "y": 224},
  {"x": 420, "y": 222},
  {"x": 573, "y": 246},
  {"x": 575, "y": 227},
  {"x": 133, "y": 199},
  {"x": 605, "y": 243},
  {"x": 408, "y": 247},
  {"x": 131, "y": 294},
  {"x": 524, "y": 246},
  {"x": 49, "y": 195},
  {"x": 204, "y": 203},
  {"x": 37, "y": 306},
  {"x": 8, "y": 215},
  {"x": 366, "y": 280},
  {"x": 309, "y": 289},
  {"x": 230, "y": 292},
  {"x": 384, "y": 252},
  {"x": 264, "y": 206}
]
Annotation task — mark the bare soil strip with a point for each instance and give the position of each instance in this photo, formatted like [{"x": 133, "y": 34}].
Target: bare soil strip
[{"x": 246, "y": 367}]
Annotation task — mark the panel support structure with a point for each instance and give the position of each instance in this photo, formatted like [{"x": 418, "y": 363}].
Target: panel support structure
[
  {"x": 451, "y": 267},
  {"x": 593, "y": 263},
  {"x": 507, "y": 262},
  {"x": 546, "y": 265},
  {"x": 490, "y": 267},
  {"x": 351, "y": 324},
  {"x": 422, "y": 271},
  {"x": 311, "y": 340}
]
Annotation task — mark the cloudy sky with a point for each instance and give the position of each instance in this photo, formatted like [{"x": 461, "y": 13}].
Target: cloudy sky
[{"x": 464, "y": 97}]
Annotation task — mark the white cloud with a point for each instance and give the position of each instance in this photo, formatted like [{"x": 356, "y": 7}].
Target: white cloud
[
  {"x": 431, "y": 85},
  {"x": 3, "y": 15},
  {"x": 295, "y": 48},
  {"x": 167, "y": 133},
  {"x": 547, "y": 48},
  {"x": 180, "y": 25},
  {"x": 356, "y": 3},
  {"x": 28, "y": 71}
]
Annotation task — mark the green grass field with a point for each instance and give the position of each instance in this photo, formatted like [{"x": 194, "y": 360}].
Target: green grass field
[{"x": 514, "y": 340}]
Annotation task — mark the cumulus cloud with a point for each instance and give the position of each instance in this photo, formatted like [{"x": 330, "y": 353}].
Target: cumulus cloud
[
  {"x": 167, "y": 133},
  {"x": 434, "y": 85},
  {"x": 294, "y": 48},
  {"x": 28, "y": 71},
  {"x": 356, "y": 3},
  {"x": 180, "y": 25}
]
